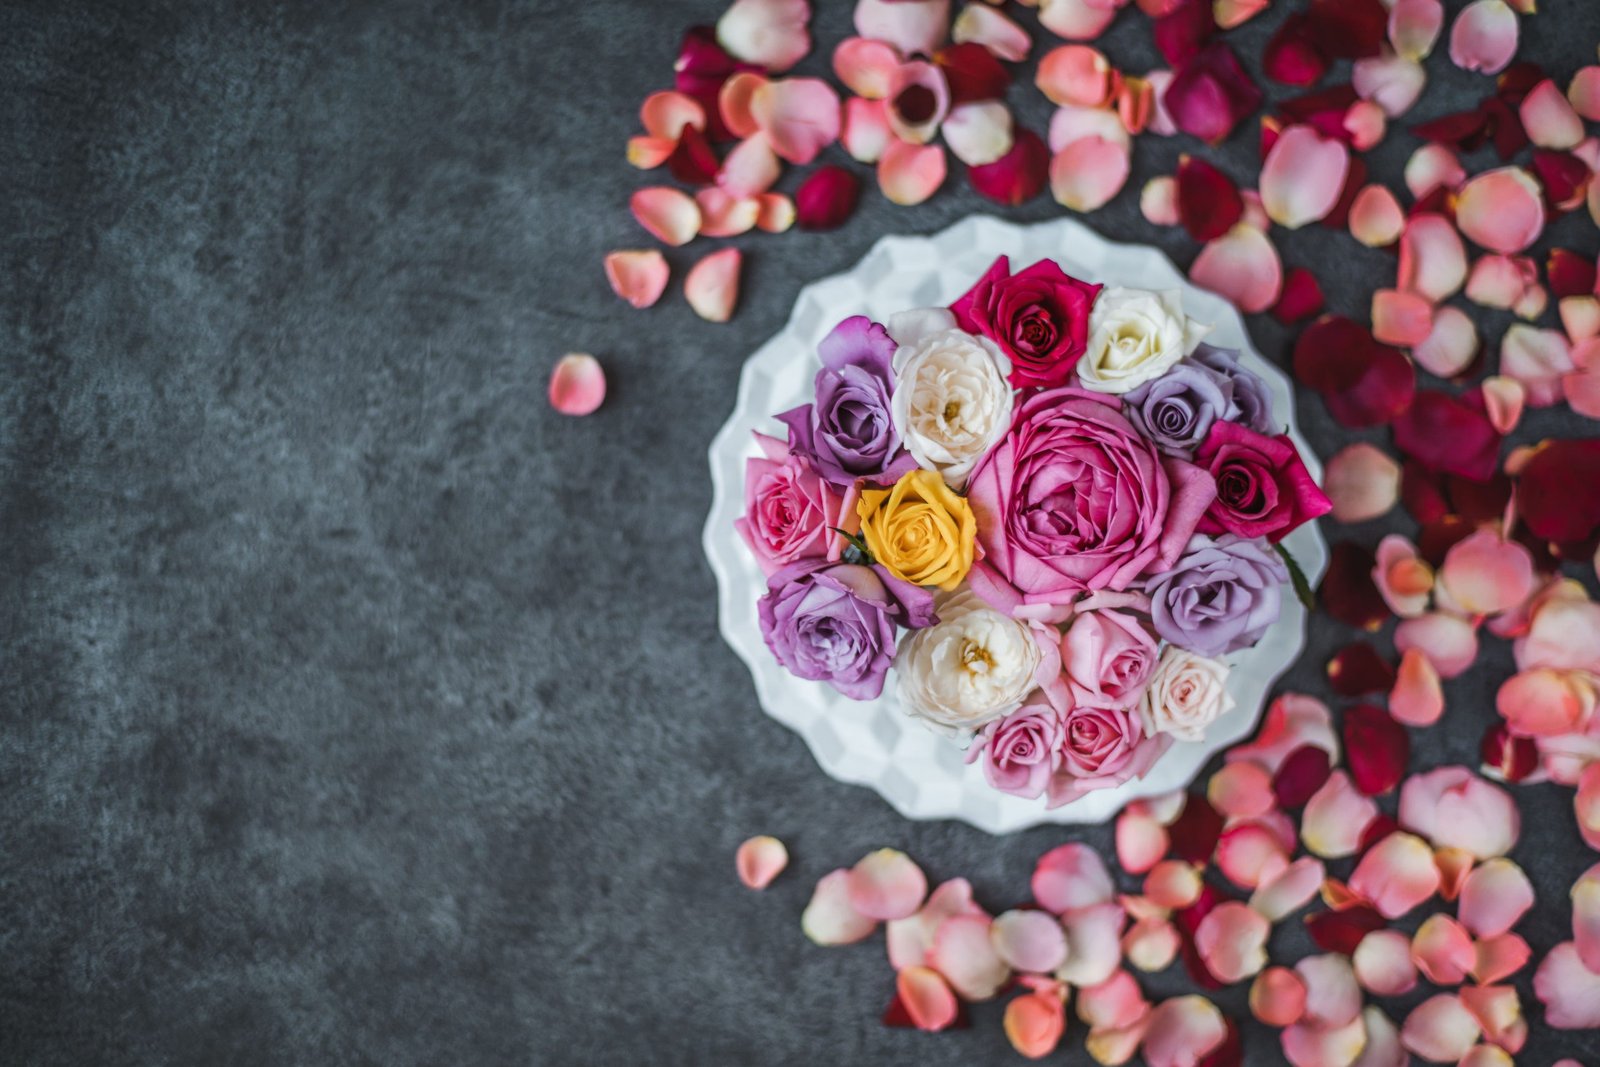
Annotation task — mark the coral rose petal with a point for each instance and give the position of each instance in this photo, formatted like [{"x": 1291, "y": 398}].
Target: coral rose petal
[
  {"x": 978, "y": 133},
  {"x": 1094, "y": 944},
  {"x": 1242, "y": 266},
  {"x": 1440, "y": 1029},
  {"x": 1116, "y": 1002},
  {"x": 1182, "y": 1032},
  {"x": 981, "y": 24},
  {"x": 1286, "y": 894},
  {"x": 1580, "y": 317},
  {"x": 669, "y": 214},
  {"x": 724, "y": 215},
  {"x": 1449, "y": 642},
  {"x": 1484, "y": 37},
  {"x": 800, "y": 116},
  {"x": 1401, "y": 318},
  {"x": 1363, "y": 483},
  {"x": 760, "y": 860},
  {"x": 919, "y": 100},
  {"x": 1487, "y": 1056},
  {"x": 1232, "y": 939},
  {"x": 639, "y": 277},
  {"x": 1548, "y": 117},
  {"x": 577, "y": 384},
  {"x": 1417, "y": 698},
  {"x": 767, "y": 33},
  {"x": 1241, "y": 790},
  {"x": 712, "y": 285},
  {"x": 1076, "y": 74},
  {"x": 1075, "y": 20},
  {"x": 1433, "y": 261},
  {"x": 647, "y": 153},
  {"x": 1303, "y": 176},
  {"x": 1034, "y": 1023},
  {"x": 1315, "y": 1046},
  {"x": 1486, "y": 574},
  {"x": 1396, "y": 875},
  {"x": 664, "y": 115},
  {"x": 1502, "y": 210},
  {"x": 830, "y": 919},
  {"x": 750, "y": 169},
  {"x": 1494, "y": 897},
  {"x": 864, "y": 132},
  {"x": 735, "y": 103},
  {"x": 964, "y": 954},
  {"x": 927, "y": 998},
  {"x": 1332, "y": 996},
  {"x": 1383, "y": 964},
  {"x": 1569, "y": 991},
  {"x": 1019, "y": 175},
  {"x": 866, "y": 67},
  {"x": 1545, "y": 703},
  {"x": 1443, "y": 950},
  {"x": 1173, "y": 884},
  {"x": 910, "y": 27},
  {"x": 909, "y": 174},
  {"x": 1087, "y": 173},
  {"x": 1278, "y": 997},
  {"x": 1292, "y": 721},
  {"x": 1376, "y": 219},
  {"x": 1069, "y": 877},
  {"x": 1141, "y": 842},
  {"x": 1249, "y": 852},
  {"x": 1030, "y": 941},
  {"x": 1451, "y": 345},
  {"x": 887, "y": 884},
  {"x": 1366, "y": 124},
  {"x": 1431, "y": 168}
]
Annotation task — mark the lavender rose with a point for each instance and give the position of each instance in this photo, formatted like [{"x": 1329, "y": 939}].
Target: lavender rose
[
  {"x": 1251, "y": 400},
  {"x": 836, "y": 622},
  {"x": 848, "y": 432},
  {"x": 1220, "y": 597},
  {"x": 1178, "y": 409}
]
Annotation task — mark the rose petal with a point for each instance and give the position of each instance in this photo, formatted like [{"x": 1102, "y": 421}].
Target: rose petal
[
  {"x": 768, "y": 33},
  {"x": 1069, "y": 877},
  {"x": 927, "y": 999},
  {"x": 1301, "y": 299},
  {"x": 1034, "y": 1023},
  {"x": 1545, "y": 703},
  {"x": 1569, "y": 991},
  {"x": 1446, "y": 434},
  {"x": 1449, "y": 642},
  {"x": 1396, "y": 875},
  {"x": 964, "y": 954},
  {"x": 979, "y": 133},
  {"x": 1443, "y": 950},
  {"x": 1378, "y": 749},
  {"x": 826, "y": 199},
  {"x": 1366, "y": 124},
  {"x": 734, "y": 103},
  {"x": 1241, "y": 790},
  {"x": 1564, "y": 178},
  {"x": 577, "y": 384},
  {"x": 760, "y": 860},
  {"x": 973, "y": 72},
  {"x": 1485, "y": 575},
  {"x": 1363, "y": 483},
  {"x": 639, "y": 277},
  {"x": 1313, "y": 1046},
  {"x": 1376, "y": 219},
  {"x": 1292, "y": 721},
  {"x": 1094, "y": 946},
  {"x": 1342, "y": 931},
  {"x": 1450, "y": 346},
  {"x": 1070, "y": 124},
  {"x": 1484, "y": 38},
  {"x": 1539, "y": 359},
  {"x": 1440, "y": 1029},
  {"x": 1210, "y": 95},
  {"x": 665, "y": 115},
  {"x": 1158, "y": 201},
  {"x": 1136, "y": 104},
  {"x": 1208, "y": 202},
  {"x": 1333, "y": 998},
  {"x": 723, "y": 215},
  {"x": 864, "y": 131},
  {"x": 909, "y": 940},
  {"x": 1357, "y": 670},
  {"x": 800, "y": 116},
  {"x": 909, "y": 174},
  {"x": 1019, "y": 175},
  {"x": 1363, "y": 382},
  {"x": 866, "y": 67},
  {"x": 910, "y": 27},
  {"x": 1502, "y": 210},
  {"x": 1455, "y": 808},
  {"x": 775, "y": 212},
  {"x": 669, "y": 214},
  {"x": 1078, "y": 75},
  {"x": 1278, "y": 997},
  {"x": 1173, "y": 884},
  {"x": 1417, "y": 698},
  {"x": 1075, "y": 20},
  {"x": 1242, "y": 266},
  {"x": 1383, "y": 1048},
  {"x": 750, "y": 169},
  {"x": 982, "y": 24},
  {"x": 1580, "y": 317},
  {"x": 1383, "y": 964},
  {"x": 1433, "y": 167},
  {"x": 1549, "y": 119},
  {"x": 1585, "y": 913},
  {"x": 1087, "y": 173},
  {"x": 887, "y": 884},
  {"x": 919, "y": 100},
  {"x": 1116, "y": 1002},
  {"x": 1570, "y": 274},
  {"x": 1414, "y": 27},
  {"x": 712, "y": 285},
  {"x": 1141, "y": 842},
  {"x": 1029, "y": 941},
  {"x": 1182, "y": 1032},
  {"x": 830, "y": 919},
  {"x": 1232, "y": 940},
  {"x": 1303, "y": 176},
  {"x": 1401, "y": 318},
  {"x": 1249, "y": 853},
  {"x": 1393, "y": 82},
  {"x": 1494, "y": 897},
  {"x": 1287, "y": 893},
  {"x": 1151, "y": 944}
]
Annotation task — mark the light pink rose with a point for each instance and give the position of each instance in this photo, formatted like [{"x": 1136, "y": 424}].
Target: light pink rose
[
  {"x": 1101, "y": 748},
  {"x": 1075, "y": 499},
  {"x": 789, "y": 509},
  {"x": 1109, "y": 658},
  {"x": 1020, "y": 751}
]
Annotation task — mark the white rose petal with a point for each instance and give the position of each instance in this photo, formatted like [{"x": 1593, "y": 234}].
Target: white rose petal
[
  {"x": 974, "y": 666},
  {"x": 1187, "y": 694},
  {"x": 1134, "y": 336},
  {"x": 952, "y": 402}
]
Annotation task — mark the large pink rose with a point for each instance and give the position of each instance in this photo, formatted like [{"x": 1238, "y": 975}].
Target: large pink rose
[
  {"x": 1020, "y": 751},
  {"x": 1109, "y": 658},
  {"x": 1073, "y": 498},
  {"x": 1101, "y": 748},
  {"x": 789, "y": 509}
]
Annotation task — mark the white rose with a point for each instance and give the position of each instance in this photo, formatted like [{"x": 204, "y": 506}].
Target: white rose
[
  {"x": 1134, "y": 336},
  {"x": 972, "y": 667},
  {"x": 952, "y": 402},
  {"x": 1187, "y": 695}
]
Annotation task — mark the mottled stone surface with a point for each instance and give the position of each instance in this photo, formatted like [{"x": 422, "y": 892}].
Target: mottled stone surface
[{"x": 356, "y": 707}]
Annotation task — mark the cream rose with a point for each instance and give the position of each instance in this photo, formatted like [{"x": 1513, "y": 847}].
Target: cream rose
[
  {"x": 971, "y": 667},
  {"x": 1134, "y": 336},
  {"x": 1187, "y": 694},
  {"x": 951, "y": 400}
]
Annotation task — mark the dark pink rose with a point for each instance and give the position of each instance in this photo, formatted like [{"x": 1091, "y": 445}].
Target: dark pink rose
[
  {"x": 1263, "y": 487},
  {"x": 1039, "y": 318}
]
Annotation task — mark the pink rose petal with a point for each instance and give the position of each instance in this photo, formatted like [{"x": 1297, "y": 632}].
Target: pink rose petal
[
  {"x": 1383, "y": 964},
  {"x": 1333, "y": 998},
  {"x": 927, "y": 998},
  {"x": 1402, "y": 577},
  {"x": 1363, "y": 483},
  {"x": 1391, "y": 81},
  {"x": 1242, "y": 790},
  {"x": 919, "y": 100},
  {"x": 909, "y": 174},
  {"x": 1417, "y": 698},
  {"x": 1502, "y": 210},
  {"x": 1151, "y": 944},
  {"x": 1433, "y": 261},
  {"x": 1232, "y": 939},
  {"x": 829, "y": 919},
  {"x": 1314, "y": 1046},
  {"x": 911, "y": 27},
  {"x": 1454, "y": 865},
  {"x": 1431, "y": 168},
  {"x": 982, "y": 24},
  {"x": 1366, "y": 124},
  {"x": 1289, "y": 891},
  {"x": 1029, "y": 941},
  {"x": 1115, "y": 1002},
  {"x": 577, "y": 384},
  {"x": 1249, "y": 853},
  {"x": 800, "y": 116},
  {"x": 1071, "y": 124},
  {"x": 979, "y": 133},
  {"x": 1141, "y": 842},
  {"x": 866, "y": 67},
  {"x": 1034, "y": 1023},
  {"x": 1441, "y": 1028},
  {"x": 1504, "y": 400},
  {"x": 1443, "y": 950},
  {"x": 734, "y": 101},
  {"x": 1173, "y": 884},
  {"x": 1549, "y": 119},
  {"x": 1454, "y": 808},
  {"x": 1292, "y": 721},
  {"x": 1503, "y": 282},
  {"x": 1487, "y": 1056},
  {"x": 1539, "y": 359},
  {"x": 1278, "y": 997},
  {"x": 1069, "y": 877},
  {"x": 1182, "y": 1032},
  {"x": 1076, "y": 74},
  {"x": 1544, "y": 702},
  {"x": 1376, "y": 219},
  {"x": 1401, "y": 318},
  {"x": 1087, "y": 173},
  {"x": 665, "y": 115},
  {"x": 1396, "y": 875},
  {"x": 887, "y": 884},
  {"x": 908, "y": 940},
  {"x": 760, "y": 860},
  {"x": 767, "y": 33},
  {"x": 1303, "y": 176},
  {"x": 712, "y": 285},
  {"x": 639, "y": 277},
  {"x": 1585, "y": 916},
  {"x": 671, "y": 215},
  {"x": 1335, "y": 818},
  {"x": 1494, "y": 898},
  {"x": 1485, "y": 574},
  {"x": 1450, "y": 346},
  {"x": 1243, "y": 266},
  {"x": 1383, "y": 1048},
  {"x": 724, "y": 215},
  {"x": 1448, "y": 641},
  {"x": 1075, "y": 20},
  {"x": 864, "y": 132},
  {"x": 1484, "y": 37},
  {"x": 964, "y": 954},
  {"x": 775, "y": 212},
  {"x": 1094, "y": 944},
  {"x": 1158, "y": 201},
  {"x": 1569, "y": 991},
  {"x": 750, "y": 169},
  {"x": 1414, "y": 27}
]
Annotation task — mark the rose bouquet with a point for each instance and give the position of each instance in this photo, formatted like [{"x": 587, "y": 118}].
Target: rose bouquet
[{"x": 1051, "y": 508}]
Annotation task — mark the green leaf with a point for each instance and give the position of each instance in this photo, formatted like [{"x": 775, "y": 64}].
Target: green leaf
[
  {"x": 856, "y": 542},
  {"x": 1297, "y": 577}
]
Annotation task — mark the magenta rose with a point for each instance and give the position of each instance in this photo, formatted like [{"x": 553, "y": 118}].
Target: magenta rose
[
  {"x": 1040, "y": 318},
  {"x": 1101, "y": 748},
  {"x": 1020, "y": 751},
  {"x": 789, "y": 510},
  {"x": 1073, "y": 498},
  {"x": 1263, "y": 487},
  {"x": 1109, "y": 658}
]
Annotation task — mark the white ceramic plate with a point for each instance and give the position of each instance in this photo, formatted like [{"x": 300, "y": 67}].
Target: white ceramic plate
[{"x": 872, "y": 743}]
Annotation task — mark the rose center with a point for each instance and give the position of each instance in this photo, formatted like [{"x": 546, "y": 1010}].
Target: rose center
[
  {"x": 975, "y": 658},
  {"x": 952, "y": 410}
]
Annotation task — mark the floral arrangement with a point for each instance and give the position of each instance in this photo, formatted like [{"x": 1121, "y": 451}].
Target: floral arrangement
[{"x": 1050, "y": 507}]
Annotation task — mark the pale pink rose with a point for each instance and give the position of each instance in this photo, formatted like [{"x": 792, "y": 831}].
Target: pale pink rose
[
  {"x": 1101, "y": 748},
  {"x": 1108, "y": 657},
  {"x": 1020, "y": 752},
  {"x": 789, "y": 510}
]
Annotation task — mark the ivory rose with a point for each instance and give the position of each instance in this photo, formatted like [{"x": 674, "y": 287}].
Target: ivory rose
[
  {"x": 1134, "y": 336},
  {"x": 1187, "y": 695},
  {"x": 951, "y": 399}
]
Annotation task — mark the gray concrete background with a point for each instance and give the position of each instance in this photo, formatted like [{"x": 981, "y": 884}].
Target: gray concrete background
[{"x": 358, "y": 708}]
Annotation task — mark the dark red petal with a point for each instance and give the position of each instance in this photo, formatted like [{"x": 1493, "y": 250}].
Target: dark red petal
[
  {"x": 1512, "y": 757},
  {"x": 1195, "y": 831},
  {"x": 1300, "y": 775},
  {"x": 1570, "y": 274},
  {"x": 1342, "y": 931},
  {"x": 1211, "y": 94},
  {"x": 1444, "y": 433},
  {"x": 1019, "y": 175},
  {"x": 1301, "y": 299},
  {"x": 1463, "y": 130},
  {"x": 1364, "y": 383},
  {"x": 1347, "y": 590},
  {"x": 1339, "y": 217},
  {"x": 1293, "y": 56},
  {"x": 1516, "y": 82},
  {"x": 1439, "y": 201},
  {"x": 1440, "y": 536},
  {"x": 701, "y": 68},
  {"x": 1208, "y": 201},
  {"x": 1422, "y": 492},
  {"x": 1558, "y": 491},
  {"x": 1187, "y": 921},
  {"x": 1228, "y": 1054},
  {"x": 1382, "y": 825},
  {"x": 896, "y": 1014},
  {"x": 1271, "y": 130},
  {"x": 1350, "y": 29},
  {"x": 1479, "y": 502},
  {"x": 826, "y": 198},
  {"x": 1183, "y": 31},
  {"x": 1376, "y": 748},
  {"x": 1505, "y": 127},
  {"x": 693, "y": 162},
  {"x": 1317, "y": 108},
  {"x": 973, "y": 73},
  {"x": 1563, "y": 177},
  {"x": 1357, "y": 669}
]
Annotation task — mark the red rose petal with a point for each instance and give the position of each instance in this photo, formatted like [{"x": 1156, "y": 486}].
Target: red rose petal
[
  {"x": 1507, "y": 756},
  {"x": 1350, "y": 29},
  {"x": 1342, "y": 931},
  {"x": 1208, "y": 201},
  {"x": 1558, "y": 490},
  {"x": 1357, "y": 670},
  {"x": 693, "y": 162},
  {"x": 1563, "y": 177},
  {"x": 1184, "y": 30},
  {"x": 1347, "y": 590},
  {"x": 1195, "y": 832},
  {"x": 1300, "y": 775},
  {"x": 1570, "y": 274},
  {"x": 1446, "y": 434},
  {"x": 1377, "y": 748},
  {"x": 1422, "y": 492},
  {"x": 973, "y": 73},
  {"x": 1211, "y": 94},
  {"x": 827, "y": 198},
  {"x": 1019, "y": 175},
  {"x": 1293, "y": 55},
  {"x": 1301, "y": 299},
  {"x": 1363, "y": 382}
]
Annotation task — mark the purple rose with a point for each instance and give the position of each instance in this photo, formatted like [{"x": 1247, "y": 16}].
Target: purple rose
[
  {"x": 848, "y": 432},
  {"x": 1220, "y": 597},
  {"x": 836, "y": 622},
  {"x": 1178, "y": 409},
  {"x": 1252, "y": 402}
]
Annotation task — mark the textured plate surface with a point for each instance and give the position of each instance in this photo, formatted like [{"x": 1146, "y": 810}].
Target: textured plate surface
[{"x": 872, "y": 743}]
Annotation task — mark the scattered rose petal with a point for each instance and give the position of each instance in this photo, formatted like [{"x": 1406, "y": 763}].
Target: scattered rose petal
[
  {"x": 1414, "y": 27},
  {"x": 1396, "y": 874},
  {"x": 1450, "y": 346},
  {"x": 1087, "y": 173},
  {"x": 1116, "y": 1002},
  {"x": 1357, "y": 670},
  {"x": 800, "y": 116},
  {"x": 1484, "y": 38},
  {"x": 1342, "y": 931},
  {"x": 1292, "y": 55},
  {"x": 1383, "y": 1048},
  {"x": 1075, "y": 20},
  {"x": 1441, "y": 1029},
  {"x": 1454, "y": 808},
  {"x": 1569, "y": 991},
  {"x": 1034, "y": 1022},
  {"x": 866, "y": 67},
  {"x": 973, "y": 72},
  {"x": 1029, "y": 941},
  {"x": 1182, "y": 1032},
  {"x": 1363, "y": 483},
  {"x": 1232, "y": 940},
  {"x": 1208, "y": 203},
  {"x": 1305, "y": 1045},
  {"x": 1136, "y": 104},
  {"x": 1431, "y": 168},
  {"x": 830, "y": 919},
  {"x": 1173, "y": 884},
  {"x": 1158, "y": 201},
  {"x": 1303, "y": 176},
  {"x": 1503, "y": 282},
  {"x": 1545, "y": 702},
  {"x": 864, "y": 131},
  {"x": 1401, "y": 318},
  {"x": 1242, "y": 266},
  {"x": 1076, "y": 74},
  {"x": 1383, "y": 964},
  {"x": 981, "y": 24},
  {"x": 1585, "y": 911},
  {"x": 1210, "y": 95},
  {"x": 1549, "y": 119},
  {"x": 1507, "y": 757},
  {"x": 1443, "y": 950},
  {"x": 978, "y": 133},
  {"x": 1494, "y": 896},
  {"x": 1485, "y": 575},
  {"x": 1580, "y": 317},
  {"x": 964, "y": 954},
  {"x": 1141, "y": 842},
  {"x": 1539, "y": 359},
  {"x": 1448, "y": 641},
  {"x": 1376, "y": 219},
  {"x": 1332, "y": 996},
  {"x": 1571, "y": 274},
  {"x": 908, "y": 174},
  {"x": 639, "y": 277},
  {"x": 724, "y": 215},
  {"x": 826, "y": 199},
  {"x": 1454, "y": 865},
  {"x": 577, "y": 384},
  {"x": 1069, "y": 877},
  {"x": 750, "y": 169},
  {"x": 1502, "y": 210},
  {"x": 1291, "y": 890},
  {"x": 1545, "y": 499},
  {"x": 1378, "y": 748},
  {"x": 927, "y": 998},
  {"x": 1070, "y": 124},
  {"x": 1241, "y": 790},
  {"x": 712, "y": 285},
  {"x": 908, "y": 940},
  {"x": 1391, "y": 81},
  {"x": 887, "y": 884},
  {"x": 734, "y": 103},
  {"x": 1278, "y": 997},
  {"x": 1292, "y": 720},
  {"x": 768, "y": 33},
  {"x": 775, "y": 212},
  {"x": 1417, "y": 699},
  {"x": 1403, "y": 577},
  {"x": 1301, "y": 299},
  {"x": 669, "y": 214},
  {"x": 760, "y": 860},
  {"x": 1151, "y": 944},
  {"x": 1019, "y": 175},
  {"x": 1445, "y": 433},
  {"x": 909, "y": 27},
  {"x": 919, "y": 100},
  {"x": 1094, "y": 946},
  {"x": 1364, "y": 383},
  {"x": 1366, "y": 124}
]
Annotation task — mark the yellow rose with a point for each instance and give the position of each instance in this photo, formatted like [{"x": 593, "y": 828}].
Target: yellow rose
[{"x": 921, "y": 530}]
